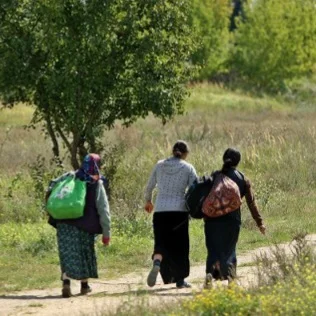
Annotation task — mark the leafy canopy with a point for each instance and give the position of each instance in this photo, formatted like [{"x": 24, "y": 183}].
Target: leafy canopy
[
  {"x": 276, "y": 42},
  {"x": 210, "y": 18},
  {"x": 85, "y": 64}
]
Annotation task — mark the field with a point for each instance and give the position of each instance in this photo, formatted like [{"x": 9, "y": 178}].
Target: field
[{"x": 277, "y": 138}]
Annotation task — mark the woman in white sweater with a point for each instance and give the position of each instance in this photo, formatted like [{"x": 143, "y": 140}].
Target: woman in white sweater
[{"x": 171, "y": 176}]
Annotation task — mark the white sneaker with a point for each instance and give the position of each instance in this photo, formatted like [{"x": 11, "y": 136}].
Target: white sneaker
[{"x": 208, "y": 281}]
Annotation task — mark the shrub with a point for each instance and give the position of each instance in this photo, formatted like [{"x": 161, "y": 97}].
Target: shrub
[
  {"x": 210, "y": 19},
  {"x": 285, "y": 264},
  {"x": 276, "y": 42},
  {"x": 34, "y": 239},
  {"x": 287, "y": 287}
]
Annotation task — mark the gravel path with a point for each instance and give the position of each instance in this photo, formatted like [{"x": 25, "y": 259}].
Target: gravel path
[{"x": 110, "y": 295}]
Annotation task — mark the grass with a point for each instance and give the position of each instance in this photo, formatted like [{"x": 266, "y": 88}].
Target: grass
[
  {"x": 219, "y": 100},
  {"x": 277, "y": 138},
  {"x": 18, "y": 116},
  {"x": 285, "y": 286}
]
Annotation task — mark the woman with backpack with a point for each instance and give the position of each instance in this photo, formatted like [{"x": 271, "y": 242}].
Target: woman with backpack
[
  {"x": 76, "y": 237},
  {"x": 223, "y": 218},
  {"x": 172, "y": 176}
]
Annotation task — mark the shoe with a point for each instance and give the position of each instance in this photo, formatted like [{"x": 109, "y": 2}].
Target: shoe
[
  {"x": 84, "y": 291},
  {"x": 66, "y": 292},
  {"x": 183, "y": 284},
  {"x": 208, "y": 281},
  {"x": 152, "y": 276}
]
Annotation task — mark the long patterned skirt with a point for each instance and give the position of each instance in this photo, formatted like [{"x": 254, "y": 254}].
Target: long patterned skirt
[{"x": 76, "y": 252}]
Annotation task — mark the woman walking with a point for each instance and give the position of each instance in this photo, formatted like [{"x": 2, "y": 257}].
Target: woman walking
[
  {"x": 221, "y": 233},
  {"x": 76, "y": 237},
  {"x": 172, "y": 176}
]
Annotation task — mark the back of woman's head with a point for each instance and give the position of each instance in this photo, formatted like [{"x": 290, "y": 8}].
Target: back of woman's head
[
  {"x": 231, "y": 158},
  {"x": 91, "y": 164},
  {"x": 180, "y": 148}
]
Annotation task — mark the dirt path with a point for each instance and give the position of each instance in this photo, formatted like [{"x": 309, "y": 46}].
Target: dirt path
[{"x": 110, "y": 295}]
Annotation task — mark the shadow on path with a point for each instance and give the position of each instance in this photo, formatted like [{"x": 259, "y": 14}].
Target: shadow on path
[
  {"x": 33, "y": 297},
  {"x": 140, "y": 292}
]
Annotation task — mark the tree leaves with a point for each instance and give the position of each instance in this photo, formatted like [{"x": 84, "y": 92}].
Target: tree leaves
[{"x": 87, "y": 64}]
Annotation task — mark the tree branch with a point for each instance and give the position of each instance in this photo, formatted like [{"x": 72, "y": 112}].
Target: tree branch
[{"x": 64, "y": 138}]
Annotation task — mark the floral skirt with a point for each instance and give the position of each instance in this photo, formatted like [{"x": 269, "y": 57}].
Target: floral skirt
[{"x": 76, "y": 252}]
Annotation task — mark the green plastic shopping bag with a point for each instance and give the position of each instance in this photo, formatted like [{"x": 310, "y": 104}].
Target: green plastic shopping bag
[{"x": 67, "y": 199}]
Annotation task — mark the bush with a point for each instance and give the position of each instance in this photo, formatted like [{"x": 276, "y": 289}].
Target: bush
[
  {"x": 210, "y": 19},
  {"x": 17, "y": 202},
  {"x": 287, "y": 287},
  {"x": 276, "y": 42},
  {"x": 33, "y": 239}
]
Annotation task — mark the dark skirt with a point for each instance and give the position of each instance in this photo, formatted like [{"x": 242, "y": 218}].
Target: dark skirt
[
  {"x": 171, "y": 232},
  {"x": 221, "y": 239},
  {"x": 76, "y": 252}
]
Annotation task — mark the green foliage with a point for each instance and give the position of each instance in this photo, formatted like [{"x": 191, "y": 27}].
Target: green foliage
[
  {"x": 86, "y": 64},
  {"x": 287, "y": 287},
  {"x": 33, "y": 239},
  {"x": 111, "y": 159},
  {"x": 22, "y": 195},
  {"x": 210, "y": 19},
  {"x": 41, "y": 174},
  {"x": 282, "y": 265},
  {"x": 276, "y": 42},
  {"x": 17, "y": 201}
]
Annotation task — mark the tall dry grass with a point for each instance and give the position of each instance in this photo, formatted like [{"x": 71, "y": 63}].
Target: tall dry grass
[{"x": 276, "y": 137}]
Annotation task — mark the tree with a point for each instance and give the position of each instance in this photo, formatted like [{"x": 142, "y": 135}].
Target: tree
[
  {"x": 85, "y": 64},
  {"x": 276, "y": 42},
  {"x": 237, "y": 12},
  {"x": 210, "y": 18}
]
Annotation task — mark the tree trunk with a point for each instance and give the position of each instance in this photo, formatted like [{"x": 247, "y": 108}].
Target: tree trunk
[
  {"x": 74, "y": 151},
  {"x": 82, "y": 149},
  {"x": 53, "y": 137}
]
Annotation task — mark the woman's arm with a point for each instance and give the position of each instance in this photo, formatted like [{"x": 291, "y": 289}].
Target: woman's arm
[
  {"x": 151, "y": 185},
  {"x": 103, "y": 210},
  {"x": 192, "y": 176},
  {"x": 252, "y": 205}
]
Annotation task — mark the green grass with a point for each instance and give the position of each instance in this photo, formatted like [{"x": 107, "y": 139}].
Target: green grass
[
  {"x": 18, "y": 116},
  {"x": 276, "y": 136},
  {"x": 285, "y": 285},
  {"x": 218, "y": 99}
]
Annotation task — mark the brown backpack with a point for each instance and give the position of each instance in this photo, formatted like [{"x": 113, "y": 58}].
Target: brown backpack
[{"x": 223, "y": 198}]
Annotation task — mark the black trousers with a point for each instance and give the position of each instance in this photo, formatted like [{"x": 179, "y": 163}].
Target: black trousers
[
  {"x": 221, "y": 240},
  {"x": 171, "y": 232}
]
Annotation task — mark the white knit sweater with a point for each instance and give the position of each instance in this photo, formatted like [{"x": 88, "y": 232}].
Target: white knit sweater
[{"x": 172, "y": 177}]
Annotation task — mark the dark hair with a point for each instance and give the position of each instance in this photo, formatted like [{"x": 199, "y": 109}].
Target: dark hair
[
  {"x": 180, "y": 148},
  {"x": 231, "y": 158}
]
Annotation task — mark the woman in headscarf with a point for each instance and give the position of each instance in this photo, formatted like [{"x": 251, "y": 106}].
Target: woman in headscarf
[
  {"x": 221, "y": 233},
  {"x": 76, "y": 237},
  {"x": 172, "y": 176}
]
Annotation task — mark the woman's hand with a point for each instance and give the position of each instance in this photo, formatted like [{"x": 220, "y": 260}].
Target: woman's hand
[
  {"x": 149, "y": 207},
  {"x": 262, "y": 229},
  {"x": 105, "y": 240}
]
